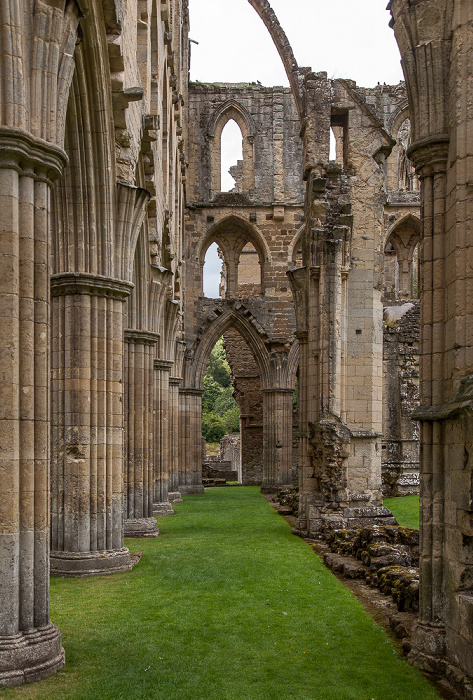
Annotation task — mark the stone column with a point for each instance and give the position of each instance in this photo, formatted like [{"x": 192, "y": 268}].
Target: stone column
[
  {"x": 174, "y": 494},
  {"x": 161, "y": 504},
  {"x": 277, "y": 439},
  {"x": 429, "y": 635},
  {"x": 30, "y": 646},
  {"x": 439, "y": 86},
  {"x": 87, "y": 459},
  {"x": 139, "y": 448},
  {"x": 190, "y": 440}
]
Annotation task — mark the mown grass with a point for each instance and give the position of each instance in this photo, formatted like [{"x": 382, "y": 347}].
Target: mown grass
[
  {"x": 225, "y": 604},
  {"x": 405, "y": 509}
]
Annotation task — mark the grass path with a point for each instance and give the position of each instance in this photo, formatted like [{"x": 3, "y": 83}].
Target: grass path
[
  {"x": 405, "y": 509},
  {"x": 225, "y": 604}
]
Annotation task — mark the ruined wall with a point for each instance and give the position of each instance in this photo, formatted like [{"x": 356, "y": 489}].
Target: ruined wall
[
  {"x": 400, "y": 445},
  {"x": 256, "y": 227}
]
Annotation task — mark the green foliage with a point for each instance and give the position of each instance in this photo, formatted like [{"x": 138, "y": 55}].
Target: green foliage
[
  {"x": 224, "y": 401},
  {"x": 405, "y": 509},
  {"x": 226, "y": 604},
  {"x": 213, "y": 427},
  {"x": 212, "y": 391},
  {"x": 217, "y": 366},
  {"x": 220, "y": 410},
  {"x": 232, "y": 419}
]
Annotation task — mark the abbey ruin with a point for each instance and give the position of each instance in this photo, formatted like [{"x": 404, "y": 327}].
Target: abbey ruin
[{"x": 348, "y": 271}]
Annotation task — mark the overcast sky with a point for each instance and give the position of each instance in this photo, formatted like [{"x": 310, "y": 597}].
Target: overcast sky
[{"x": 345, "y": 38}]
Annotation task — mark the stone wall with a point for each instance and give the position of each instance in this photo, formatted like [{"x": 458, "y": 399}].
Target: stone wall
[{"x": 400, "y": 460}]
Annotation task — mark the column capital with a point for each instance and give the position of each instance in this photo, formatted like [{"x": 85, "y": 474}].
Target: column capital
[
  {"x": 430, "y": 155},
  {"x": 190, "y": 391},
  {"x": 165, "y": 365},
  {"x": 175, "y": 381},
  {"x": 141, "y": 337},
  {"x": 27, "y": 154},
  {"x": 93, "y": 285}
]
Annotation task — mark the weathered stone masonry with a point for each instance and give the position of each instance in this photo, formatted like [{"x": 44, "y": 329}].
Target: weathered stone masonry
[{"x": 110, "y": 192}]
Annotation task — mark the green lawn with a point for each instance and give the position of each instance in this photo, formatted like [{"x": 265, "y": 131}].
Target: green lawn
[
  {"x": 405, "y": 509},
  {"x": 226, "y": 604}
]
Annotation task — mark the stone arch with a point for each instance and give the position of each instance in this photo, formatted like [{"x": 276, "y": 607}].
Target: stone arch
[
  {"x": 245, "y": 325},
  {"x": 231, "y": 235},
  {"x": 83, "y": 233},
  {"x": 293, "y": 363},
  {"x": 271, "y": 22},
  {"x": 403, "y": 237},
  {"x": 226, "y": 112},
  {"x": 294, "y": 247}
]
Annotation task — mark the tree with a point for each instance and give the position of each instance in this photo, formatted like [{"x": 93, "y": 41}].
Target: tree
[{"x": 220, "y": 411}]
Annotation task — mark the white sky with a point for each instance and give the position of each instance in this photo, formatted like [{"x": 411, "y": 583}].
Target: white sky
[{"x": 345, "y": 38}]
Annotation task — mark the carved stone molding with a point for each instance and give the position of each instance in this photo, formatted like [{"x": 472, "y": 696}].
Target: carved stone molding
[
  {"x": 93, "y": 285},
  {"x": 23, "y": 152},
  {"x": 141, "y": 337}
]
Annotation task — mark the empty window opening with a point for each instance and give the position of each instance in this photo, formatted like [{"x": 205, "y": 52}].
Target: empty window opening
[
  {"x": 333, "y": 146},
  {"x": 231, "y": 158},
  {"x": 339, "y": 138},
  {"x": 249, "y": 272},
  {"x": 213, "y": 278}
]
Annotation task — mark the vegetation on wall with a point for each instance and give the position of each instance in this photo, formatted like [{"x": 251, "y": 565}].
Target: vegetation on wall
[{"x": 220, "y": 412}]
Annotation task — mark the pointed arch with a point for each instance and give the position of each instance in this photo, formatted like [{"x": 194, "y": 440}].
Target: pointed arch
[
  {"x": 293, "y": 363},
  {"x": 231, "y": 235},
  {"x": 295, "y": 245},
  {"x": 271, "y": 22},
  {"x": 231, "y": 109},
  {"x": 243, "y": 324}
]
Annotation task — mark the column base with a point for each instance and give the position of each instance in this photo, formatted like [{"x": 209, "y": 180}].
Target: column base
[
  {"x": 160, "y": 509},
  {"x": 175, "y": 497},
  {"x": 140, "y": 527},
  {"x": 185, "y": 490},
  {"x": 429, "y": 647},
  {"x": 29, "y": 656},
  {"x": 78, "y": 564}
]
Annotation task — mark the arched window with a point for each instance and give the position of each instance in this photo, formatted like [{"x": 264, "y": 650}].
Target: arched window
[
  {"x": 401, "y": 267},
  {"x": 213, "y": 283},
  {"x": 231, "y": 158},
  {"x": 242, "y": 168}
]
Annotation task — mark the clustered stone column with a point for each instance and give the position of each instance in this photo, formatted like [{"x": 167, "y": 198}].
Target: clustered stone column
[
  {"x": 174, "y": 494},
  {"x": 161, "y": 505},
  {"x": 277, "y": 439},
  {"x": 139, "y": 448},
  {"x": 87, "y": 459},
  {"x": 190, "y": 440},
  {"x": 438, "y": 77},
  {"x": 30, "y": 646}
]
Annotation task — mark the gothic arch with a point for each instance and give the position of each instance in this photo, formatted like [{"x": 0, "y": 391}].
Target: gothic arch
[
  {"x": 82, "y": 238},
  {"x": 293, "y": 363},
  {"x": 271, "y": 22},
  {"x": 232, "y": 110},
  {"x": 230, "y": 318},
  {"x": 404, "y": 237},
  {"x": 295, "y": 245},
  {"x": 231, "y": 235}
]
